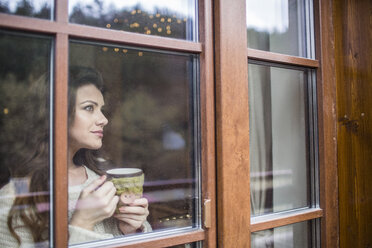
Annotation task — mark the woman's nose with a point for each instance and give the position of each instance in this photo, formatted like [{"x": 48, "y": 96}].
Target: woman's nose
[{"x": 102, "y": 120}]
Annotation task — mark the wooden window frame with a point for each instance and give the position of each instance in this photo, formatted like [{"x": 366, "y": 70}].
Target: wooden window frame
[
  {"x": 62, "y": 31},
  {"x": 232, "y": 126},
  {"x": 224, "y": 117}
]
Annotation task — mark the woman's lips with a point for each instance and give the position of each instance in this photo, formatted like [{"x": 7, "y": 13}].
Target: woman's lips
[{"x": 98, "y": 133}]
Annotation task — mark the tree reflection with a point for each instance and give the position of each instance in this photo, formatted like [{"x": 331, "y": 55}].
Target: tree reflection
[
  {"x": 26, "y": 8},
  {"x": 24, "y": 100}
]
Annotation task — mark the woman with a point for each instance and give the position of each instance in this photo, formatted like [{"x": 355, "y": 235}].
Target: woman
[
  {"x": 92, "y": 199},
  {"x": 97, "y": 202}
]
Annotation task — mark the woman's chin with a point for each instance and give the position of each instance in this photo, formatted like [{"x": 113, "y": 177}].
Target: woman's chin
[{"x": 93, "y": 146}]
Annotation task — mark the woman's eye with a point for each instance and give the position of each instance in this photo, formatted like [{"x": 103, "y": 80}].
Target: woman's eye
[{"x": 89, "y": 108}]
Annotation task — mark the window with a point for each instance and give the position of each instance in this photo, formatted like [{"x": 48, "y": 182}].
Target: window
[
  {"x": 280, "y": 138},
  {"x": 295, "y": 235},
  {"x": 153, "y": 106},
  {"x": 280, "y": 27},
  {"x": 283, "y": 126},
  {"x": 276, "y": 143},
  {"x": 25, "y": 139},
  {"x": 176, "y": 20},
  {"x": 225, "y": 110}
]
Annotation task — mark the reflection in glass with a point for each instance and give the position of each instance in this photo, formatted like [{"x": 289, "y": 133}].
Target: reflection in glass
[
  {"x": 277, "y": 26},
  {"x": 24, "y": 140},
  {"x": 33, "y": 8},
  {"x": 290, "y": 236},
  {"x": 278, "y": 139},
  {"x": 173, "y": 19},
  {"x": 149, "y": 104}
]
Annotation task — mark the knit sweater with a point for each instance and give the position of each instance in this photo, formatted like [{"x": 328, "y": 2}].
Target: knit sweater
[{"x": 103, "y": 230}]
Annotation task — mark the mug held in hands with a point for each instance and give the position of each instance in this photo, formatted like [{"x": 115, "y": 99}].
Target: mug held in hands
[{"x": 128, "y": 183}]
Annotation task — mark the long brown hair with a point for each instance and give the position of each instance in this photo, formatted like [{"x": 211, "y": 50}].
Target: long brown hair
[{"x": 36, "y": 166}]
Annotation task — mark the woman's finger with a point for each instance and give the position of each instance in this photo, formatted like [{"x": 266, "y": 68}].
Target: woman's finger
[
  {"x": 113, "y": 204},
  {"x": 134, "y": 223},
  {"x": 108, "y": 196},
  {"x": 130, "y": 216},
  {"x": 105, "y": 188},
  {"x": 133, "y": 210},
  {"x": 140, "y": 202},
  {"x": 95, "y": 184}
]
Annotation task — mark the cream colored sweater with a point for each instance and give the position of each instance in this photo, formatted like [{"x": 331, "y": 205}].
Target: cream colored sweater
[{"x": 104, "y": 230}]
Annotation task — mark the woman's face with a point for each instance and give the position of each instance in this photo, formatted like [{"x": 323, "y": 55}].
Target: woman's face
[{"x": 86, "y": 129}]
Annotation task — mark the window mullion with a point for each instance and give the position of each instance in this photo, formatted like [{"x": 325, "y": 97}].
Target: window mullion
[
  {"x": 232, "y": 126},
  {"x": 60, "y": 179}
]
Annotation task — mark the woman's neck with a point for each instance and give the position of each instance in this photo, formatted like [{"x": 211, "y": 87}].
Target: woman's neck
[
  {"x": 76, "y": 174},
  {"x": 70, "y": 155}
]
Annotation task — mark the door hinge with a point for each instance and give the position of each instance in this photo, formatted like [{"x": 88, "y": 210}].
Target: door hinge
[{"x": 207, "y": 213}]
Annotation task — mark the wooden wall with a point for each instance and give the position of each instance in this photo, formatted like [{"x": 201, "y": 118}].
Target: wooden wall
[{"x": 353, "y": 51}]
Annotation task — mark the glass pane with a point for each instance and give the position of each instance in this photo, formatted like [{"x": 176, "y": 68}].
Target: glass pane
[
  {"x": 277, "y": 26},
  {"x": 33, "y": 8},
  {"x": 292, "y": 236},
  {"x": 278, "y": 139},
  {"x": 189, "y": 245},
  {"x": 24, "y": 140},
  {"x": 173, "y": 19},
  {"x": 148, "y": 120}
]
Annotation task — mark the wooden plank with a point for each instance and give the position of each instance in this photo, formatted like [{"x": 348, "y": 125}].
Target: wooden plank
[
  {"x": 353, "y": 36},
  {"x": 326, "y": 92},
  {"x": 286, "y": 219},
  {"x": 97, "y": 34},
  {"x": 60, "y": 180},
  {"x": 281, "y": 58},
  {"x": 233, "y": 203},
  {"x": 207, "y": 101}
]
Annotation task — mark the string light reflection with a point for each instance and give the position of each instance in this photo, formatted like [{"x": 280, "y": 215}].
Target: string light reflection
[
  {"x": 165, "y": 25},
  {"x": 181, "y": 217}
]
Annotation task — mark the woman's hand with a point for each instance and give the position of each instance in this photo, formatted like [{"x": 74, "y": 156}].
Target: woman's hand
[
  {"x": 96, "y": 203},
  {"x": 132, "y": 215}
]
